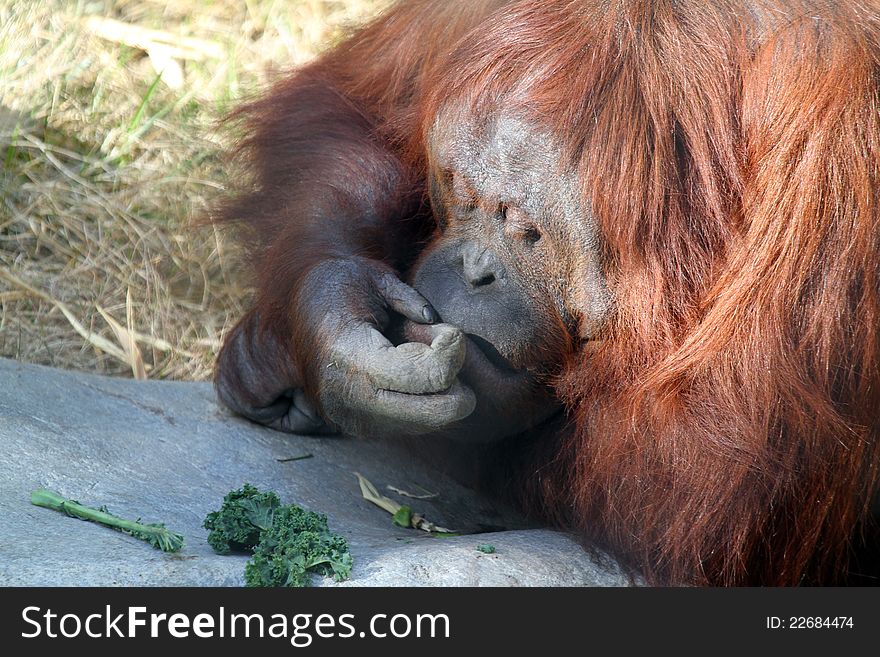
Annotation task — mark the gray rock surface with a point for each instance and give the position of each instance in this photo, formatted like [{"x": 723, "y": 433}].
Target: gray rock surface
[{"x": 165, "y": 451}]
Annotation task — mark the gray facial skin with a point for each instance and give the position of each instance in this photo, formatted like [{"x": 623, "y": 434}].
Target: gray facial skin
[
  {"x": 516, "y": 267},
  {"x": 505, "y": 203}
]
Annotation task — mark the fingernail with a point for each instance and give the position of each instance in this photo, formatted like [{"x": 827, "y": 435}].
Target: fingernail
[{"x": 429, "y": 314}]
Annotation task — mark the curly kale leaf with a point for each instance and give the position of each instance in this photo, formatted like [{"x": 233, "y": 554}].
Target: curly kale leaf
[
  {"x": 243, "y": 516},
  {"x": 297, "y": 543}
]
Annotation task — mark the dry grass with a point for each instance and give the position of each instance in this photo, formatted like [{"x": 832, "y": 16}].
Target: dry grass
[{"x": 104, "y": 165}]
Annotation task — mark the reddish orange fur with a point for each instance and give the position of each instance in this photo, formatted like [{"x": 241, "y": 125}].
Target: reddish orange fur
[
  {"x": 726, "y": 432},
  {"x": 727, "y": 429}
]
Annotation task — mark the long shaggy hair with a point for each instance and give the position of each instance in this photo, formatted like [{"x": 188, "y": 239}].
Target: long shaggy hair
[{"x": 726, "y": 430}]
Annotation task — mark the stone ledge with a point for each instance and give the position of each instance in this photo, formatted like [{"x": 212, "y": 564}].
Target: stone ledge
[{"x": 164, "y": 451}]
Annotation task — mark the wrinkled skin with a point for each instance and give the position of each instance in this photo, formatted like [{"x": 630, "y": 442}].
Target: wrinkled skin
[{"x": 510, "y": 281}]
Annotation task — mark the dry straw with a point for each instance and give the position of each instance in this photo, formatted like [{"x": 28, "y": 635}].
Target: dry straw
[{"x": 109, "y": 151}]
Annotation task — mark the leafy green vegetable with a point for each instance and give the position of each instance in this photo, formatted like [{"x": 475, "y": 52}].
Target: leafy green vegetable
[
  {"x": 243, "y": 516},
  {"x": 486, "y": 548},
  {"x": 156, "y": 534},
  {"x": 403, "y": 517},
  {"x": 298, "y": 541},
  {"x": 287, "y": 541}
]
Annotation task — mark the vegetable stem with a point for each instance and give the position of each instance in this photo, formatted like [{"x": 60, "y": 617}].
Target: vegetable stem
[{"x": 156, "y": 534}]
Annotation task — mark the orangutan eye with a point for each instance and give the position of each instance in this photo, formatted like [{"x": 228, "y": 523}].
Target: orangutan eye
[{"x": 518, "y": 224}]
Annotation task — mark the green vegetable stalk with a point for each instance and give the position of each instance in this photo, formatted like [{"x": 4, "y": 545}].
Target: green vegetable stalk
[{"x": 156, "y": 534}]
